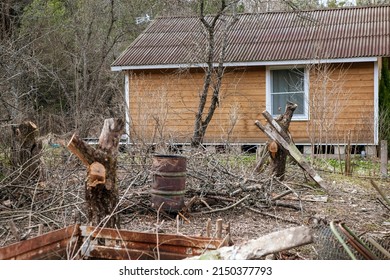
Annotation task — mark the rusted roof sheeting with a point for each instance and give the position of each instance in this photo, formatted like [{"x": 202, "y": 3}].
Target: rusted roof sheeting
[{"x": 318, "y": 34}]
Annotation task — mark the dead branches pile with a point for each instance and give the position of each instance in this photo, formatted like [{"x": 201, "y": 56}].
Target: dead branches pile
[
  {"x": 214, "y": 183},
  {"x": 221, "y": 182},
  {"x": 36, "y": 205}
]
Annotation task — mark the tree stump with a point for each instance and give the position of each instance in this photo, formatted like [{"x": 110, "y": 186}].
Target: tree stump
[
  {"x": 279, "y": 154},
  {"x": 283, "y": 140},
  {"x": 26, "y": 150},
  {"x": 101, "y": 190}
]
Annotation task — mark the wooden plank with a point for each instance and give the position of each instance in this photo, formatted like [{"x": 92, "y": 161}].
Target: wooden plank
[{"x": 384, "y": 159}]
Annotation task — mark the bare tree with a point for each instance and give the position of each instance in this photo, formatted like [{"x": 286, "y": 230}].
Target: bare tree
[
  {"x": 213, "y": 73},
  {"x": 328, "y": 99}
]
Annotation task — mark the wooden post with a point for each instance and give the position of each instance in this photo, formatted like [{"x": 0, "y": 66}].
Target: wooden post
[
  {"x": 101, "y": 191},
  {"x": 348, "y": 165},
  {"x": 208, "y": 228},
  {"x": 218, "y": 228},
  {"x": 384, "y": 158}
]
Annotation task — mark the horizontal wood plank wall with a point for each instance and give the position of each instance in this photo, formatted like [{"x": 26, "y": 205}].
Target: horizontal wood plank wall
[{"x": 163, "y": 105}]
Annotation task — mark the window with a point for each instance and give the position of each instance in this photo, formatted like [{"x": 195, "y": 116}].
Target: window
[{"x": 287, "y": 84}]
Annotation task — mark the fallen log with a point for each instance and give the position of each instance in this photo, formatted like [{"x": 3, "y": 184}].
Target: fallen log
[{"x": 257, "y": 248}]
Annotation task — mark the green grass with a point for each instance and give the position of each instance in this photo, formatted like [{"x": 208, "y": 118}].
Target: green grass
[{"x": 360, "y": 166}]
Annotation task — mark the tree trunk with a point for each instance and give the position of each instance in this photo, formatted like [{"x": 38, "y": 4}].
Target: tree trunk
[
  {"x": 213, "y": 75},
  {"x": 276, "y": 133},
  {"x": 279, "y": 158},
  {"x": 101, "y": 190},
  {"x": 26, "y": 150}
]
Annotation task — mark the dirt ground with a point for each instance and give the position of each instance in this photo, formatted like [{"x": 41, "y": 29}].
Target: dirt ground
[
  {"x": 59, "y": 201},
  {"x": 351, "y": 200}
]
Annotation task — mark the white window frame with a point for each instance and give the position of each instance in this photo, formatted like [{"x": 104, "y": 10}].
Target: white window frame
[{"x": 268, "y": 101}]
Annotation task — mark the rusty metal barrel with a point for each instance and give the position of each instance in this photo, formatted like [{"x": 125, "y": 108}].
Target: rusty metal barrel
[{"x": 168, "y": 185}]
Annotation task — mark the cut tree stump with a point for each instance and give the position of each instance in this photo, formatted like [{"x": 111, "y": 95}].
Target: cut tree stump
[
  {"x": 276, "y": 133},
  {"x": 277, "y": 152},
  {"x": 101, "y": 190},
  {"x": 26, "y": 150}
]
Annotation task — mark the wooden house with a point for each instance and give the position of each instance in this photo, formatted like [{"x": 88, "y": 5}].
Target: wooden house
[{"x": 327, "y": 61}]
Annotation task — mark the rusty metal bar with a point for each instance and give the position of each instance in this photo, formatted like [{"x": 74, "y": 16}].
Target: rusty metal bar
[
  {"x": 166, "y": 239},
  {"x": 104, "y": 243},
  {"x": 37, "y": 247},
  {"x": 108, "y": 253}
]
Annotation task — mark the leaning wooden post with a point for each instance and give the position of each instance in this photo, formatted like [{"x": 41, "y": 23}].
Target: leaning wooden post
[
  {"x": 384, "y": 158},
  {"x": 101, "y": 190},
  {"x": 273, "y": 130},
  {"x": 279, "y": 153}
]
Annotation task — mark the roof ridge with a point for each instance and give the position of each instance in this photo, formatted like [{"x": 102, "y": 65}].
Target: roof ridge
[{"x": 287, "y": 12}]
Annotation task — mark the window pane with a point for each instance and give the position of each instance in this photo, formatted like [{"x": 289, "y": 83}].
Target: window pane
[
  {"x": 287, "y": 80},
  {"x": 279, "y": 102}
]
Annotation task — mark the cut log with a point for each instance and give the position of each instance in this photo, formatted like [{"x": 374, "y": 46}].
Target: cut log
[
  {"x": 101, "y": 191},
  {"x": 265, "y": 245}
]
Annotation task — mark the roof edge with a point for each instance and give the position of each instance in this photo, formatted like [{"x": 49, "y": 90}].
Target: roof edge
[{"x": 242, "y": 64}]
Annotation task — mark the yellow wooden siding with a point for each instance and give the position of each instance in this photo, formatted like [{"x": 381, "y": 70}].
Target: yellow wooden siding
[{"x": 163, "y": 106}]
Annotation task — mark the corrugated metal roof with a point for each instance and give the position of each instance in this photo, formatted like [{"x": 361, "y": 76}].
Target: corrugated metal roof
[{"x": 275, "y": 36}]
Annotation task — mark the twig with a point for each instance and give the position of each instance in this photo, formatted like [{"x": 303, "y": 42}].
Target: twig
[
  {"x": 271, "y": 215},
  {"x": 157, "y": 227},
  {"x": 384, "y": 205},
  {"x": 293, "y": 191},
  {"x": 184, "y": 218},
  {"x": 281, "y": 195},
  {"x": 205, "y": 203},
  {"x": 123, "y": 242},
  {"x": 225, "y": 208},
  {"x": 14, "y": 230}
]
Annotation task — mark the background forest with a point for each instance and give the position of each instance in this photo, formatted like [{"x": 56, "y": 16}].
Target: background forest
[{"x": 55, "y": 55}]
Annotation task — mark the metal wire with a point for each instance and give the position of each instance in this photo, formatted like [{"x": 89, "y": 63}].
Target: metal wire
[{"x": 337, "y": 242}]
